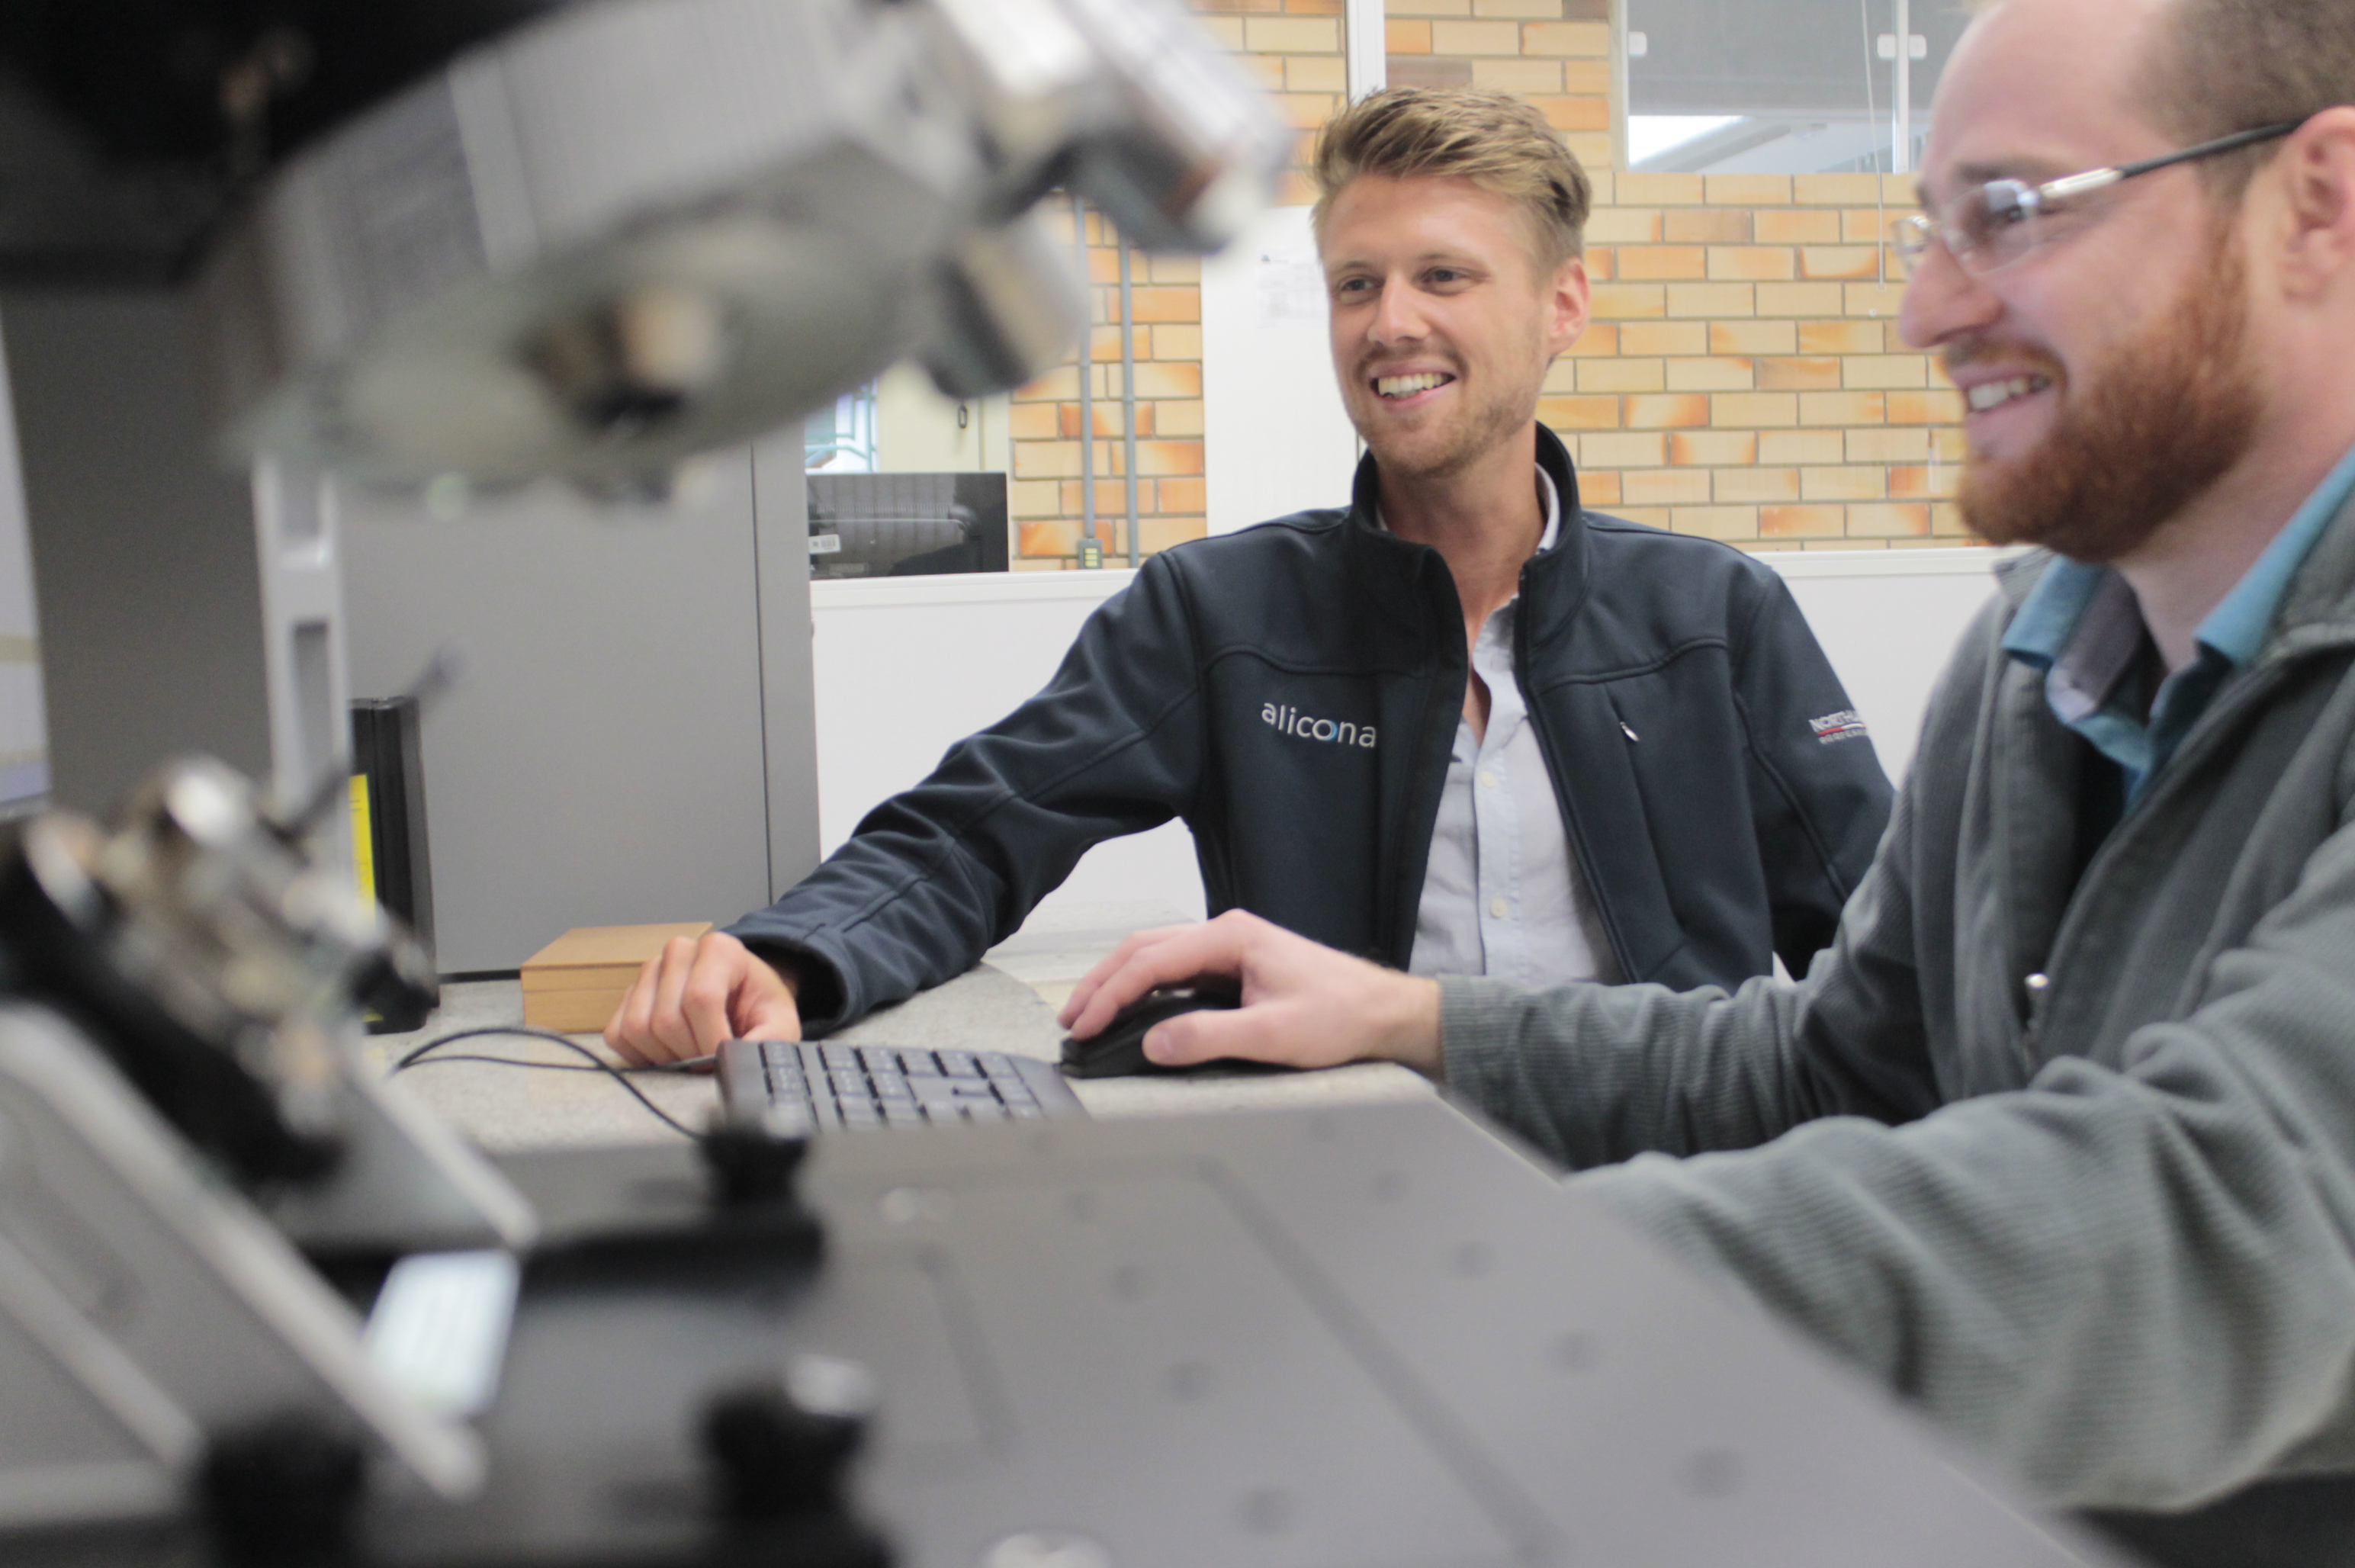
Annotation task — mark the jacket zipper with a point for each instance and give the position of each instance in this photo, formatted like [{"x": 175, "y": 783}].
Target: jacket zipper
[{"x": 1563, "y": 801}]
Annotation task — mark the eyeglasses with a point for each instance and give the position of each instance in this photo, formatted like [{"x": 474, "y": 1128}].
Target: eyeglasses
[{"x": 2003, "y": 220}]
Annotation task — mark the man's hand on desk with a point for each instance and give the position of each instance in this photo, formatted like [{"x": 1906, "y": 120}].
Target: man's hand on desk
[
  {"x": 1304, "y": 1003},
  {"x": 696, "y": 993}
]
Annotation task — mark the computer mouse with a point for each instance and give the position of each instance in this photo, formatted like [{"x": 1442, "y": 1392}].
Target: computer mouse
[{"x": 1118, "y": 1050}]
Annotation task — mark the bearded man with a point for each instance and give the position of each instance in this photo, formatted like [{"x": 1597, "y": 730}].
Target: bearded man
[
  {"x": 1463, "y": 726},
  {"x": 2057, "y": 1139}
]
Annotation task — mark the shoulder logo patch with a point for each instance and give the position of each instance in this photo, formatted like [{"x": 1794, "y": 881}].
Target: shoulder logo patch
[
  {"x": 1338, "y": 732},
  {"x": 1844, "y": 725}
]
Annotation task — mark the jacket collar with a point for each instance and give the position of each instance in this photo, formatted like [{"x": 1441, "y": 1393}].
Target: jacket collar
[{"x": 1553, "y": 583}]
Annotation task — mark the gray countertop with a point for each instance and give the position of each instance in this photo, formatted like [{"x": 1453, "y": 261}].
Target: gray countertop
[{"x": 503, "y": 1107}]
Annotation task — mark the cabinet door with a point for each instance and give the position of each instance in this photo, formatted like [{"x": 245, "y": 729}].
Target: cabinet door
[{"x": 604, "y": 761}]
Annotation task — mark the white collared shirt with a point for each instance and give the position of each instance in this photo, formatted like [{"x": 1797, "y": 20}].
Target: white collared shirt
[{"x": 1502, "y": 895}]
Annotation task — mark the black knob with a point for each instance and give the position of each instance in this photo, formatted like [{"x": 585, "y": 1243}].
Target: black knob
[
  {"x": 781, "y": 1447},
  {"x": 284, "y": 1489},
  {"x": 749, "y": 1164}
]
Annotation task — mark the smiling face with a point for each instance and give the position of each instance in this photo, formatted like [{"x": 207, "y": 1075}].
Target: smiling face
[
  {"x": 1443, "y": 329},
  {"x": 2106, "y": 374}
]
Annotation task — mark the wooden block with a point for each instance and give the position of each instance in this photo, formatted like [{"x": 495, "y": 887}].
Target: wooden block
[{"x": 573, "y": 984}]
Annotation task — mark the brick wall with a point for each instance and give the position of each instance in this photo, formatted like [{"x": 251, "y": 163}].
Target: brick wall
[{"x": 1743, "y": 380}]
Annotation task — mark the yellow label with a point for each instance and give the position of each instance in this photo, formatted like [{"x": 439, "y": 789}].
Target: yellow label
[{"x": 363, "y": 839}]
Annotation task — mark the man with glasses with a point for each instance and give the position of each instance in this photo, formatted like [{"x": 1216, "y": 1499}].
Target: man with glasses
[{"x": 2058, "y": 1138}]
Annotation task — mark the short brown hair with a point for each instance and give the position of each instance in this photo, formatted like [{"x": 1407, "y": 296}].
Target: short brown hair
[
  {"x": 2220, "y": 66},
  {"x": 1496, "y": 141}
]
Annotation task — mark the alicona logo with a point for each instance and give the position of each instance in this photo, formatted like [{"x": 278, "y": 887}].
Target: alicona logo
[{"x": 1292, "y": 722}]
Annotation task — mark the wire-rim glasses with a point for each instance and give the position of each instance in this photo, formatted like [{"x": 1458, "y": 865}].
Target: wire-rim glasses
[{"x": 2001, "y": 221}]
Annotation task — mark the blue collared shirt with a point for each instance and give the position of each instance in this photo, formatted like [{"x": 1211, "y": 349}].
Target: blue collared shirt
[{"x": 2082, "y": 626}]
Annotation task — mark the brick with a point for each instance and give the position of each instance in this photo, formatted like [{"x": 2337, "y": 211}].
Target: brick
[
  {"x": 1800, "y": 375},
  {"x": 1063, "y": 381},
  {"x": 1753, "y": 411},
  {"x": 1707, "y": 226},
  {"x": 1797, "y": 227},
  {"x": 1755, "y": 485},
  {"x": 1843, "y": 263},
  {"x": 1839, "y": 190},
  {"x": 1840, "y": 337},
  {"x": 1750, "y": 263},
  {"x": 1429, "y": 8},
  {"x": 1045, "y": 459},
  {"x": 1034, "y": 498},
  {"x": 1749, "y": 190},
  {"x": 1887, "y": 519},
  {"x": 1802, "y": 446},
  {"x": 1158, "y": 457},
  {"x": 1666, "y": 411},
  {"x": 1314, "y": 7},
  {"x": 1582, "y": 111},
  {"x": 1900, "y": 191},
  {"x": 1183, "y": 494},
  {"x": 1316, "y": 73},
  {"x": 1712, "y": 299},
  {"x": 1667, "y": 487},
  {"x": 1923, "y": 482},
  {"x": 1600, "y": 339},
  {"x": 1406, "y": 37},
  {"x": 1171, "y": 268},
  {"x": 1268, "y": 69},
  {"x": 1936, "y": 406},
  {"x": 1580, "y": 413},
  {"x": 1659, "y": 190},
  {"x": 1803, "y": 522},
  {"x": 1034, "y": 421},
  {"x": 1872, "y": 301},
  {"x": 1716, "y": 522},
  {"x": 1624, "y": 226},
  {"x": 1176, "y": 340},
  {"x": 1842, "y": 408},
  {"x": 1160, "y": 378},
  {"x": 1909, "y": 372},
  {"x": 1658, "y": 337},
  {"x": 1050, "y": 539},
  {"x": 1711, "y": 374},
  {"x": 1602, "y": 264},
  {"x": 1753, "y": 338},
  {"x": 1869, "y": 225},
  {"x": 1240, "y": 5},
  {"x": 1228, "y": 30},
  {"x": 1621, "y": 302},
  {"x": 1946, "y": 520},
  {"x": 1843, "y": 484},
  {"x": 1182, "y": 417},
  {"x": 1712, "y": 448},
  {"x": 1600, "y": 489},
  {"x": 1799, "y": 299},
  {"x": 1292, "y": 34},
  {"x": 1305, "y": 111},
  {"x": 1526, "y": 76},
  {"x": 1428, "y": 72},
  {"x": 1948, "y": 444},
  {"x": 1595, "y": 149},
  {"x": 1525, "y": 10},
  {"x": 1658, "y": 264},
  {"x": 1567, "y": 40},
  {"x": 1476, "y": 37},
  {"x": 1587, "y": 78},
  {"x": 1889, "y": 445},
  {"x": 1645, "y": 451},
  {"x": 1623, "y": 376}
]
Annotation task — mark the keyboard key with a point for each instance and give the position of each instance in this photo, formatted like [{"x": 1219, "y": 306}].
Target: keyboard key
[
  {"x": 983, "y": 1110},
  {"x": 998, "y": 1064},
  {"x": 891, "y": 1086},
  {"x": 776, "y": 1053},
  {"x": 848, "y": 1085},
  {"x": 960, "y": 1064},
  {"x": 879, "y": 1059},
  {"x": 841, "y": 1056},
  {"x": 902, "y": 1114},
  {"x": 919, "y": 1064}
]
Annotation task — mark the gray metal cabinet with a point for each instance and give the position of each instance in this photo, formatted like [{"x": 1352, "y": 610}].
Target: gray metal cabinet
[{"x": 631, "y": 741}]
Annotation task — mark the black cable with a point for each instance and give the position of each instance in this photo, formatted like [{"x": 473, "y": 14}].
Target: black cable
[{"x": 418, "y": 1055}]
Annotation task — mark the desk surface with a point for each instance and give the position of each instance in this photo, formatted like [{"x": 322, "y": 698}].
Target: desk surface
[{"x": 504, "y": 1108}]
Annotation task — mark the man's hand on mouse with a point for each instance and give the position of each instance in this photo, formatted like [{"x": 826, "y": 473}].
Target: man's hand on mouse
[
  {"x": 1303, "y": 1005},
  {"x": 695, "y": 994}
]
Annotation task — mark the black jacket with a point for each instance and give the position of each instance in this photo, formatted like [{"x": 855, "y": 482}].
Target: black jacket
[{"x": 1292, "y": 692}]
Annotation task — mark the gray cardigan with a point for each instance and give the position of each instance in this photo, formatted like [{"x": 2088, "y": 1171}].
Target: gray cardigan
[{"x": 2102, "y": 1225}]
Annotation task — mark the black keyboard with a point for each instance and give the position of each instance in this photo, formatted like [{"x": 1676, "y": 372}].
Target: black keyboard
[{"x": 808, "y": 1088}]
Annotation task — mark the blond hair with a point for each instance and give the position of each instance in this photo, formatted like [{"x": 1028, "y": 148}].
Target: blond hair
[{"x": 1492, "y": 139}]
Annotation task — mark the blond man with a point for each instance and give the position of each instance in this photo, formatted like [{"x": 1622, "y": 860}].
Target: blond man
[{"x": 1460, "y": 726}]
